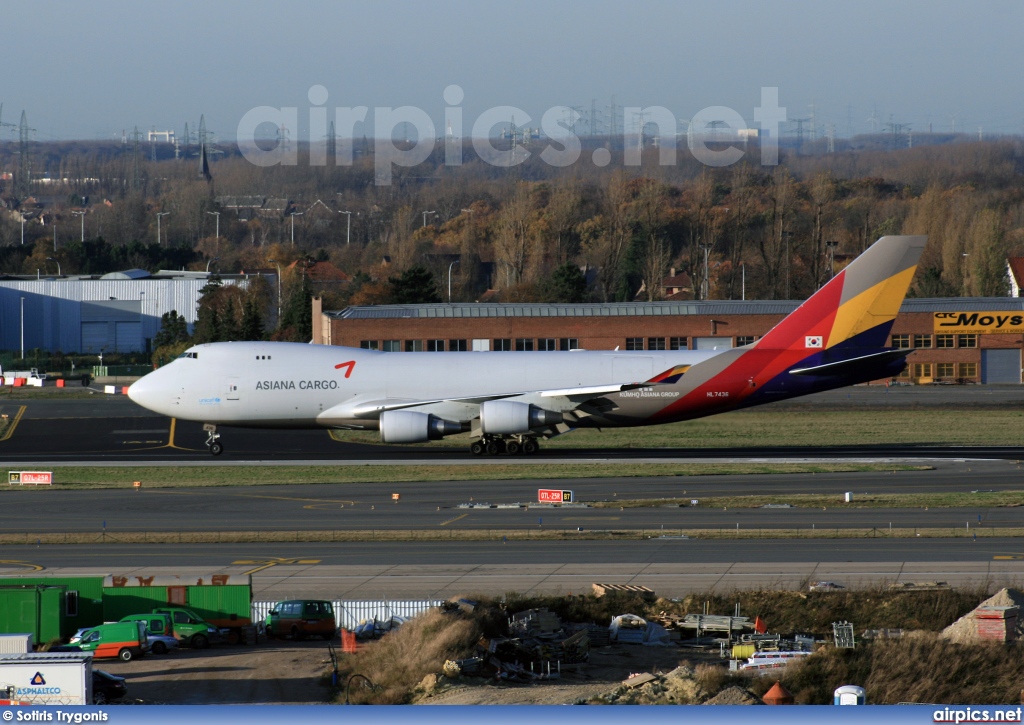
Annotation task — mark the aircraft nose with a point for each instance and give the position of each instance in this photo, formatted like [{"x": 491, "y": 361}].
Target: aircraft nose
[{"x": 141, "y": 391}]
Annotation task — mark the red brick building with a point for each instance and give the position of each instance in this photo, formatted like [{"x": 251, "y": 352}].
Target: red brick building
[{"x": 937, "y": 357}]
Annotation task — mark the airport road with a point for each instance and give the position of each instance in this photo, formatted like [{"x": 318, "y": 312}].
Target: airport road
[
  {"x": 112, "y": 430},
  {"x": 440, "y": 506},
  {"x": 424, "y": 570}
]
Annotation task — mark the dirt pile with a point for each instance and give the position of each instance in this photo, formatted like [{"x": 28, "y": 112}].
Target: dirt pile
[{"x": 965, "y": 629}]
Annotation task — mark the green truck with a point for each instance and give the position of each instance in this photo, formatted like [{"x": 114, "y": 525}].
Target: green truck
[{"x": 35, "y": 608}]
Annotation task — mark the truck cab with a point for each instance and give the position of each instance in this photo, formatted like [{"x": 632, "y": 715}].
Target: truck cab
[{"x": 191, "y": 629}]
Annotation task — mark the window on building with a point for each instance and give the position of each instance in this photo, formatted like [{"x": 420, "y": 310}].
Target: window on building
[
  {"x": 968, "y": 370},
  {"x": 945, "y": 340},
  {"x": 677, "y": 343},
  {"x": 922, "y": 370},
  {"x": 905, "y": 373},
  {"x": 569, "y": 343},
  {"x": 392, "y": 346},
  {"x": 944, "y": 370},
  {"x": 922, "y": 340},
  {"x": 634, "y": 343},
  {"x": 414, "y": 345},
  {"x": 503, "y": 344},
  {"x": 742, "y": 340},
  {"x": 458, "y": 346},
  {"x": 546, "y": 344},
  {"x": 524, "y": 344},
  {"x": 369, "y": 344},
  {"x": 901, "y": 341},
  {"x": 435, "y": 345},
  {"x": 71, "y": 603},
  {"x": 655, "y": 343},
  {"x": 967, "y": 340},
  {"x": 481, "y": 345}
]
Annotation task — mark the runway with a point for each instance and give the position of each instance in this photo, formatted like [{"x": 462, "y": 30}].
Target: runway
[
  {"x": 428, "y": 570},
  {"x": 112, "y": 430}
]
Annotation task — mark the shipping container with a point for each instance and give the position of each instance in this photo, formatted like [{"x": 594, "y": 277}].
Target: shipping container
[
  {"x": 36, "y": 609},
  {"x": 219, "y": 599},
  {"x": 45, "y": 678},
  {"x": 84, "y": 606}
]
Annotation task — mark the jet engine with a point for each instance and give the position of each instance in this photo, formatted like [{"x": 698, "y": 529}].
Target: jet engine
[
  {"x": 506, "y": 417},
  {"x": 408, "y": 426}
]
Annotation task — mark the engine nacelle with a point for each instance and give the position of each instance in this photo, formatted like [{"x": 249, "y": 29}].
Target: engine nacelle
[
  {"x": 408, "y": 426},
  {"x": 505, "y": 417}
]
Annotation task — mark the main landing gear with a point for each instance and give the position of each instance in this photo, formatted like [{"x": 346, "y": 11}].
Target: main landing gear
[
  {"x": 512, "y": 445},
  {"x": 213, "y": 439}
]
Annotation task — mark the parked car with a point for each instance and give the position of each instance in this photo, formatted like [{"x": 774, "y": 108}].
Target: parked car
[
  {"x": 300, "y": 618},
  {"x": 107, "y": 687},
  {"x": 123, "y": 640},
  {"x": 160, "y": 644}
]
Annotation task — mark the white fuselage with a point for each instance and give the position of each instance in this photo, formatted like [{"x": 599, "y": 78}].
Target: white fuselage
[{"x": 256, "y": 384}]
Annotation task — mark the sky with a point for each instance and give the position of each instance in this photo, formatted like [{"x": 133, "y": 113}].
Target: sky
[{"x": 92, "y": 70}]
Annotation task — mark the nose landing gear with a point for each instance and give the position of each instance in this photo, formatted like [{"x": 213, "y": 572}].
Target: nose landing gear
[{"x": 213, "y": 439}]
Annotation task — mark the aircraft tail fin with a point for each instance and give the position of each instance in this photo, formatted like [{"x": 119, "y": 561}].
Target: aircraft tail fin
[{"x": 858, "y": 306}]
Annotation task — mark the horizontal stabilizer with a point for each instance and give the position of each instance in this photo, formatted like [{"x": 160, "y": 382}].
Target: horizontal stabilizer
[{"x": 842, "y": 367}]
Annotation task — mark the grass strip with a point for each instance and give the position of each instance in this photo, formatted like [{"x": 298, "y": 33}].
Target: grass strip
[
  {"x": 244, "y": 537},
  {"x": 981, "y": 499},
  {"x": 86, "y": 477}
]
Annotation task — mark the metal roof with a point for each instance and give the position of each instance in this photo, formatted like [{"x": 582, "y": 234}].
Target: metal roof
[{"x": 650, "y": 309}]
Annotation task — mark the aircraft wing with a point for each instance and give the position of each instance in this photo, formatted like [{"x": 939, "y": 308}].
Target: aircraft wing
[{"x": 577, "y": 396}]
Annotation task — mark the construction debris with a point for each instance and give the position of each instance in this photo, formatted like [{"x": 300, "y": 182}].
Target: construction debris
[
  {"x": 995, "y": 619},
  {"x": 644, "y": 593}
]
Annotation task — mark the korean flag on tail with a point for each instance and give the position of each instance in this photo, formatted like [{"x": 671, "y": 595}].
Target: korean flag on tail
[{"x": 813, "y": 341}]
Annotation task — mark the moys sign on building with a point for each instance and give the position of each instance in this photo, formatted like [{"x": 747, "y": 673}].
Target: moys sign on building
[{"x": 979, "y": 323}]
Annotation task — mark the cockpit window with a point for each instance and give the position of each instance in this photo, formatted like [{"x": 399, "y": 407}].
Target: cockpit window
[{"x": 192, "y": 355}]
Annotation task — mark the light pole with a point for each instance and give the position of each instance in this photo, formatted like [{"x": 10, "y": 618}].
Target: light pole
[
  {"x": 216, "y": 214},
  {"x": 209, "y": 262},
  {"x": 22, "y": 328},
  {"x": 51, "y": 259},
  {"x": 158, "y": 215},
  {"x": 55, "y": 236},
  {"x": 278, "y": 289},
  {"x": 142, "y": 322},
  {"x": 425, "y": 216},
  {"x": 450, "y": 280},
  {"x": 705, "y": 287},
  {"x": 789, "y": 262},
  {"x": 293, "y": 215},
  {"x": 82, "y": 215},
  {"x": 22, "y": 230},
  {"x": 348, "y": 225},
  {"x": 743, "y": 281}
]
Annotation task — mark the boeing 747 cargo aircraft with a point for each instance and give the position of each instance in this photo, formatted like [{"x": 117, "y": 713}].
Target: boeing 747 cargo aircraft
[{"x": 510, "y": 400}]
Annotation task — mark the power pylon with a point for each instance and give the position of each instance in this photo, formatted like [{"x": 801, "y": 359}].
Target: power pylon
[{"x": 24, "y": 181}]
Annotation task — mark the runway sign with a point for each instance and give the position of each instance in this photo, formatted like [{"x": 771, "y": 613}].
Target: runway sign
[
  {"x": 33, "y": 478},
  {"x": 550, "y": 495}
]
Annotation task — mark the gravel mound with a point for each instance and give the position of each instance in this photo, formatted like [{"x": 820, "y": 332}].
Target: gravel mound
[
  {"x": 965, "y": 629},
  {"x": 735, "y": 696}
]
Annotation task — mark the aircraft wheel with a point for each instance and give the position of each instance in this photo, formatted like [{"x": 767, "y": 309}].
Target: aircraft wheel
[
  {"x": 530, "y": 446},
  {"x": 477, "y": 448},
  {"x": 512, "y": 448},
  {"x": 492, "y": 448},
  {"x": 216, "y": 448}
]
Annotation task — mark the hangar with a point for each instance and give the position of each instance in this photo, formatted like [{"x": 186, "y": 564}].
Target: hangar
[
  {"x": 979, "y": 351},
  {"x": 117, "y": 312}
]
